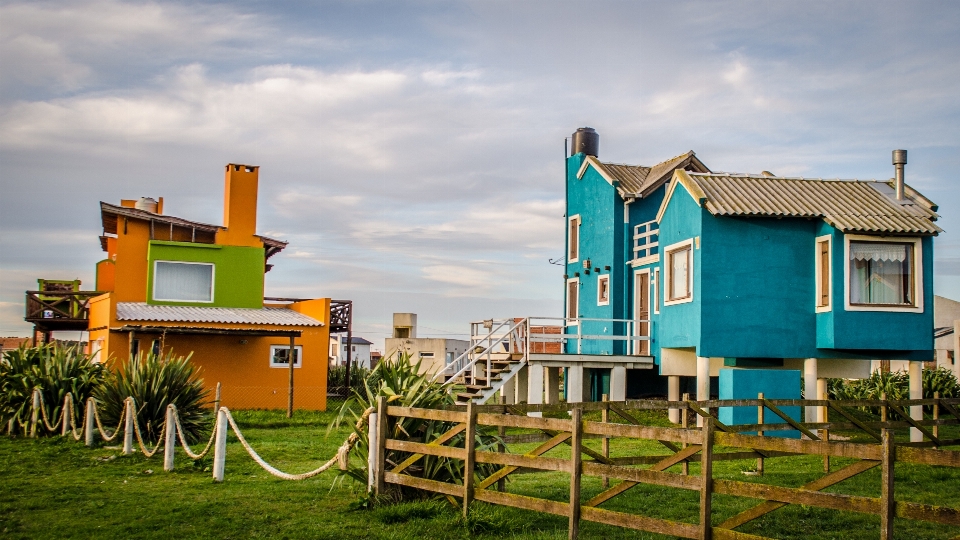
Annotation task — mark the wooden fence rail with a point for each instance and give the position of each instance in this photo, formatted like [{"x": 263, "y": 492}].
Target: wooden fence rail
[{"x": 684, "y": 444}]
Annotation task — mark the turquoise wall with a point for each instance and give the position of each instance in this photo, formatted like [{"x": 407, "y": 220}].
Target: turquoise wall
[
  {"x": 747, "y": 384},
  {"x": 238, "y": 271},
  {"x": 679, "y": 324}
]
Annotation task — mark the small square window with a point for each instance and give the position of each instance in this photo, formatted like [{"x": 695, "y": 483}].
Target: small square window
[
  {"x": 603, "y": 290},
  {"x": 882, "y": 274},
  {"x": 280, "y": 354}
]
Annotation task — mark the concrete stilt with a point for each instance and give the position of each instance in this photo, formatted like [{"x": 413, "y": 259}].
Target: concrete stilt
[
  {"x": 535, "y": 376},
  {"x": 810, "y": 387},
  {"x": 822, "y": 394},
  {"x": 916, "y": 392},
  {"x": 703, "y": 383},
  {"x": 673, "y": 394},
  {"x": 509, "y": 391},
  {"x": 618, "y": 383},
  {"x": 575, "y": 384}
]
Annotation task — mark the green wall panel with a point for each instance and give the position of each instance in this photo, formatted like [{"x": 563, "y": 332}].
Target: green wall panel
[{"x": 238, "y": 274}]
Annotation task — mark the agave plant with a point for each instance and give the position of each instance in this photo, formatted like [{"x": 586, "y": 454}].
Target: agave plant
[
  {"x": 403, "y": 385},
  {"x": 56, "y": 370},
  {"x": 155, "y": 382}
]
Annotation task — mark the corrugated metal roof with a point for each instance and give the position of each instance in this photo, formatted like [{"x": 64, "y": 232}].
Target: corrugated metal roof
[
  {"x": 849, "y": 205},
  {"x": 139, "y": 311}
]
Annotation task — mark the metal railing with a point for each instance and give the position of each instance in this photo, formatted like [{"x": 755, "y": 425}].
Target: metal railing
[{"x": 646, "y": 239}]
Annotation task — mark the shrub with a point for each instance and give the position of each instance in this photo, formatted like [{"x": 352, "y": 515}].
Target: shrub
[
  {"x": 896, "y": 385},
  {"x": 403, "y": 385},
  {"x": 337, "y": 377},
  {"x": 155, "y": 382},
  {"x": 56, "y": 370}
]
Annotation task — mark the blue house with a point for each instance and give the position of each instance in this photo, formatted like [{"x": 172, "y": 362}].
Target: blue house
[{"x": 690, "y": 271}]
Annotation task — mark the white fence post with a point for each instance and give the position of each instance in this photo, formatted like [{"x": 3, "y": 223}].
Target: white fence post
[
  {"x": 170, "y": 444},
  {"x": 372, "y": 445},
  {"x": 88, "y": 423},
  {"x": 220, "y": 446},
  {"x": 35, "y": 413},
  {"x": 65, "y": 415},
  {"x": 128, "y": 427}
]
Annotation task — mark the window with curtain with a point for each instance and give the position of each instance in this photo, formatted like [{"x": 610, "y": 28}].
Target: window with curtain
[
  {"x": 881, "y": 273},
  {"x": 183, "y": 282},
  {"x": 678, "y": 273}
]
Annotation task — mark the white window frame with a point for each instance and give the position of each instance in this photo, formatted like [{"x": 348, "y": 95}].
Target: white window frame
[
  {"x": 828, "y": 238},
  {"x": 917, "y": 272},
  {"x": 668, "y": 282},
  {"x": 600, "y": 301},
  {"x": 655, "y": 297},
  {"x": 213, "y": 282},
  {"x": 566, "y": 306},
  {"x": 297, "y": 359},
  {"x": 573, "y": 246}
]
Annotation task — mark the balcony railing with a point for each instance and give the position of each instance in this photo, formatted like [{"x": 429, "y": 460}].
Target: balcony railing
[
  {"x": 59, "y": 310},
  {"x": 646, "y": 238}
]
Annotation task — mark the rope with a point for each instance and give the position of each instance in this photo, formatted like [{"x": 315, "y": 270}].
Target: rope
[
  {"x": 43, "y": 414},
  {"x": 183, "y": 442},
  {"x": 103, "y": 432},
  {"x": 143, "y": 448},
  {"x": 340, "y": 457}
]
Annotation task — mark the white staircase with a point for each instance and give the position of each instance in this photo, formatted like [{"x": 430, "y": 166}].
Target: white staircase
[{"x": 497, "y": 352}]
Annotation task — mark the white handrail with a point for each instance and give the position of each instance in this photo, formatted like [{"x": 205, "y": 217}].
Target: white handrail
[{"x": 486, "y": 352}]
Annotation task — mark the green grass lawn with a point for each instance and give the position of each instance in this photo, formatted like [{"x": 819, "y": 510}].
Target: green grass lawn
[{"x": 56, "y": 488}]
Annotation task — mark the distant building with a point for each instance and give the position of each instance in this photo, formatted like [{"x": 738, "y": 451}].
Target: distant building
[
  {"x": 946, "y": 318},
  {"x": 10, "y": 343},
  {"x": 359, "y": 354},
  {"x": 432, "y": 353}
]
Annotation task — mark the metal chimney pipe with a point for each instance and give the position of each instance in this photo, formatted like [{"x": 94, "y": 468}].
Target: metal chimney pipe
[{"x": 899, "y": 160}]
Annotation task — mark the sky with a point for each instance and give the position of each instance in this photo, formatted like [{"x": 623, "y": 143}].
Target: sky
[{"x": 411, "y": 152}]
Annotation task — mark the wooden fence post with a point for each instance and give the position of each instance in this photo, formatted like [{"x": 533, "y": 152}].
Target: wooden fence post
[
  {"x": 501, "y": 448},
  {"x": 576, "y": 440},
  {"x": 883, "y": 407},
  {"x": 706, "y": 480},
  {"x": 936, "y": 414},
  {"x": 88, "y": 422},
  {"x": 605, "y": 443},
  {"x": 470, "y": 445},
  {"x": 825, "y": 435},
  {"x": 170, "y": 444},
  {"x": 128, "y": 426},
  {"x": 887, "y": 503},
  {"x": 65, "y": 415},
  {"x": 372, "y": 444},
  {"x": 685, "y": 423},
  {"x": 382, "y": 437},
  {"x": 220, "y": 446},
  {"x": 35, "y": 413},
  {"x": 760, "y": 420}
]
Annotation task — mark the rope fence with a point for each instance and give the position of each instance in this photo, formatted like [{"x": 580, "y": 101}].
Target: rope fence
[{"x": 171, "y": 433}]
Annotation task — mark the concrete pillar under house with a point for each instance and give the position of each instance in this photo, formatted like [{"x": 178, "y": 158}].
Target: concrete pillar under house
[
  {"x": 916, "y": 392},
  {"x": 810, "y": 387},
  {"x": 552, "y": 385},
  {"x": 522, "y": 385},
  {"x": 703, "y": 382},
  {"x": 673, "y": 394},
  {"x": 574, "y": 384},
  {"x": 618, "y": 383}
]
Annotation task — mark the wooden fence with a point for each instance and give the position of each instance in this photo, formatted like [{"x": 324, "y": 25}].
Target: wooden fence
[{"x": 710, "y": 443}]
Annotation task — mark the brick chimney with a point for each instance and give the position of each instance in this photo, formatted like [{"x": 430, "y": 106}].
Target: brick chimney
[{"x": 240, "y": 206}]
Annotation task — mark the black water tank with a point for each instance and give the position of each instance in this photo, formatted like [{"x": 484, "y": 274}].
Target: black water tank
[{"x": 585, "y": 140}]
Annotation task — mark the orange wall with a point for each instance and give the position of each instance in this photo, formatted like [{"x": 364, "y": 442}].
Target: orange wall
[
  {"x": 106, "y": 275},
  {"x": 131, "y": 260}
]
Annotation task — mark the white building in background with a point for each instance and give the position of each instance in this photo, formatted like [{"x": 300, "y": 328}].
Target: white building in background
[
  {"x": 433, "y": 353},
  {"x": 359, "y": 354},
  {"x": 946, "y": 321}
]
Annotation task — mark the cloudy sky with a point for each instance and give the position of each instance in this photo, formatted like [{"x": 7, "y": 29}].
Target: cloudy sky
[{"x": 411, "y": 152}]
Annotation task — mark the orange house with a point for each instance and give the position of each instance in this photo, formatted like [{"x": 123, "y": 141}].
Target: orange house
[{"x": 170, "y": 284}]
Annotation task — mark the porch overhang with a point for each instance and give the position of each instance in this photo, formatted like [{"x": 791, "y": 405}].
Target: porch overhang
[
  {"x": 592, "y": 360},
  {"x": 197, "y": 330}
]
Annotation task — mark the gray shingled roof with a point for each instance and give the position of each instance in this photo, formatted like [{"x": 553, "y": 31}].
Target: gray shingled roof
[
  {"x": 638, "y": 180},
  {"x": 139, "y": 311},
  {"x": 849, "y": 205}
]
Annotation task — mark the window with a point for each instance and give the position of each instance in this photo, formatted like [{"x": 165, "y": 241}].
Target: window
[
  {"x": 603, "y": 290},
  {"x": 156, "y": 349},
  {"x": 280, "y": 356},
  {"x": 134, "y": 348},
  {"x": 182, "y": 281},
  {"x": 573, "y": 301},
  {"x": 823, "y": 273},
  {"x": 573, "y": 239},
  {"x": 882, "y": 274},
  {"x": 679, "y": 268},
  {"x": 428, "y": 355}
]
